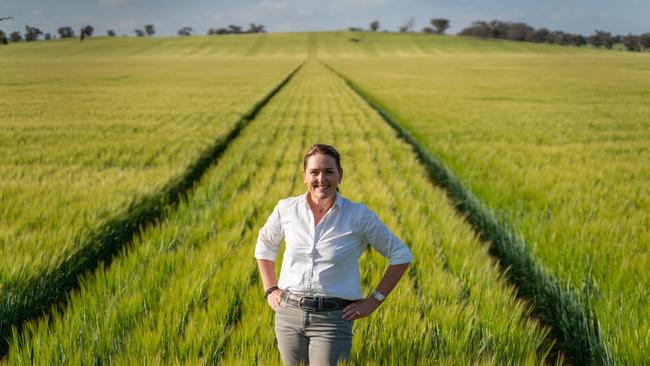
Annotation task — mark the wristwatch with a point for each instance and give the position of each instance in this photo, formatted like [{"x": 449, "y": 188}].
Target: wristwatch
[{"x": 378, "y": 295}]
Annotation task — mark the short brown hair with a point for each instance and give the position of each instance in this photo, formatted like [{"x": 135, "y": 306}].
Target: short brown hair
[{"x": 324, "y": 150}]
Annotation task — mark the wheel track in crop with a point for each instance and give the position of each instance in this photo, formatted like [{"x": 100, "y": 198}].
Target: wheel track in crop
[
  {"x": 235, "y": 305},
  {"x": 255, "y": 47},
  {"x": 312, "y": 45},
  {"x": 463, "y": 284},
  {"x": 459, "y": 282},
  {"x": 573, "y": 323},
  {"x": 28, "y": 298},
  {"x": 200, "y": 296}
]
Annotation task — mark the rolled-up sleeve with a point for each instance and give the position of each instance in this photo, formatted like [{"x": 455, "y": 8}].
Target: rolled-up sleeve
[
  {"x": 270, "y": 236},
  {"x": 384, "y": 241}
]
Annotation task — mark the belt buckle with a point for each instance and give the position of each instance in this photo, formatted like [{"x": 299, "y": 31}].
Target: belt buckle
[
  {"x": 310, "y": 307},
  {"x": 301, "y": 303}
]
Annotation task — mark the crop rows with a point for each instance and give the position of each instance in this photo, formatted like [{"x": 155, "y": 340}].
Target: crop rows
[
  {"x": 551, "y": 139},
  {"x": 102, "y": 142},
  {"x": 187, "y": 290},
  {"x": 560, "y": 155},
  {"x": 95, "y": 167}
]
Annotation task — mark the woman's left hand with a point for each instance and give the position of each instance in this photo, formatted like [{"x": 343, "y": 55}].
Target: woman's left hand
[{"x": 360, "y": 309}]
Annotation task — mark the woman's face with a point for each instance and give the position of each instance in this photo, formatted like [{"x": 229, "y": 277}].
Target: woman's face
[{"x": 322, "y": 176}]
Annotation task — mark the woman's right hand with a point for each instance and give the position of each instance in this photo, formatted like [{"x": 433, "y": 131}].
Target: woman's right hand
[{"x": 274, "y": 299}]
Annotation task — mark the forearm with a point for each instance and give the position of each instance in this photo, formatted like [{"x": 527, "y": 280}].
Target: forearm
[
  {"x": 267, "y": 271},
  {"x": 365, "y": 307},
  {"x": 391, "y": 277}
]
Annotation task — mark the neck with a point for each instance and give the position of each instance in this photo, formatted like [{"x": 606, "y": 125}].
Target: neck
[{"x": 320, "y": 204}]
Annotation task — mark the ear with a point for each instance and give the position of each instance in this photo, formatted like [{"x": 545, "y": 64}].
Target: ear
[{"x": 340, "y": 175}]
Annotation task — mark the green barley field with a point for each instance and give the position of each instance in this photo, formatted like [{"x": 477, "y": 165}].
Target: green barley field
[{"x": 135, "y": 174}]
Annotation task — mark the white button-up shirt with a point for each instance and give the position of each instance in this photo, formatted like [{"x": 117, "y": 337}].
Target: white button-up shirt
[{"x": 323, "y": 260}]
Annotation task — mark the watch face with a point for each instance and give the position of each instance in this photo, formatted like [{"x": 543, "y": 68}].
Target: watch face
[{"x": 377, "y": 295}]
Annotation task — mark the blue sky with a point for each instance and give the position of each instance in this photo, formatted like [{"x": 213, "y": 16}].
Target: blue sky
[{"x": 575, "y": 16}]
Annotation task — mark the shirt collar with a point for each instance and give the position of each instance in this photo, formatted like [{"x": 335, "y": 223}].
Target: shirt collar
[{"x": 338, "y": 201}]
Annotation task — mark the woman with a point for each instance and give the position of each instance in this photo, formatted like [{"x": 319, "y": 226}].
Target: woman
[{"x": 319, "y": 293}]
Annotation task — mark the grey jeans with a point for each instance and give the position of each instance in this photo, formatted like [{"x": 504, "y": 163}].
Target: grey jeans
[{"x": 312, "y": 337}]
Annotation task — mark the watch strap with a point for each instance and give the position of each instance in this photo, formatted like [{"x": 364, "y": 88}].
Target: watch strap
[
  {"x": 378, "y": 295},
  {"x": 269, "y": 290}
]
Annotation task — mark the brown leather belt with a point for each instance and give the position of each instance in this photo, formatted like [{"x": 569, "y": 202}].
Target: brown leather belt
[{"x": 315, "y": 303}]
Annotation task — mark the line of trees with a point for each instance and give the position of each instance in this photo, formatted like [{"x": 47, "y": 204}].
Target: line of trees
[
  {"x": 516, "y": 31},
  {"x": 440, "y": 25},
  {"x": 149, "y": 30},
  {"x": 637, "y": 43},
  {"x": 235, "y": 29},
  {"x": 33, "y": 33}
]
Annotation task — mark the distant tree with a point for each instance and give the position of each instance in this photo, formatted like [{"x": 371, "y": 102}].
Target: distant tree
[
  {"x": 3, "y": 38},
  {"x": 441, "y": 24},
  {"x": 617, "y": 38},
  {"x": 15, "y": 36},
  {"x": 499, "y": 29},
  {"x": 149, "y": 29},
  {"x": 235, "y": 29},
  {"x": 632, "y": 43},
  {"x": 479, "y": 28},
  {"x": 568, "y": 39},
  {"x": 518, "y": 31},
  {"x": 577, "y": 40},
  {"x": 32, "y": 33},
  {"x": 428, "y": 30},
  {"x": 110, "y": 33},
  {"x": 355, "y": 29},
  {"x": 88, "y": 30},
  {"x": 644, "y": 40},
  {"x": 538, "y": 36},
  {"x": 66, "y": 32},
  {"x": 139, "y": 32},
  {"x": 47, "y": 36},
  {"x": 601, "y": 39},
  {"x": 554, "y": 37},
  {"x": 408, "y": 25},
  {"x": 374, "y": 25},
  {"x": 219, "y": 31},
  {"x": 185, "y": 31},
  {"x": 256, "y": 28}
]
